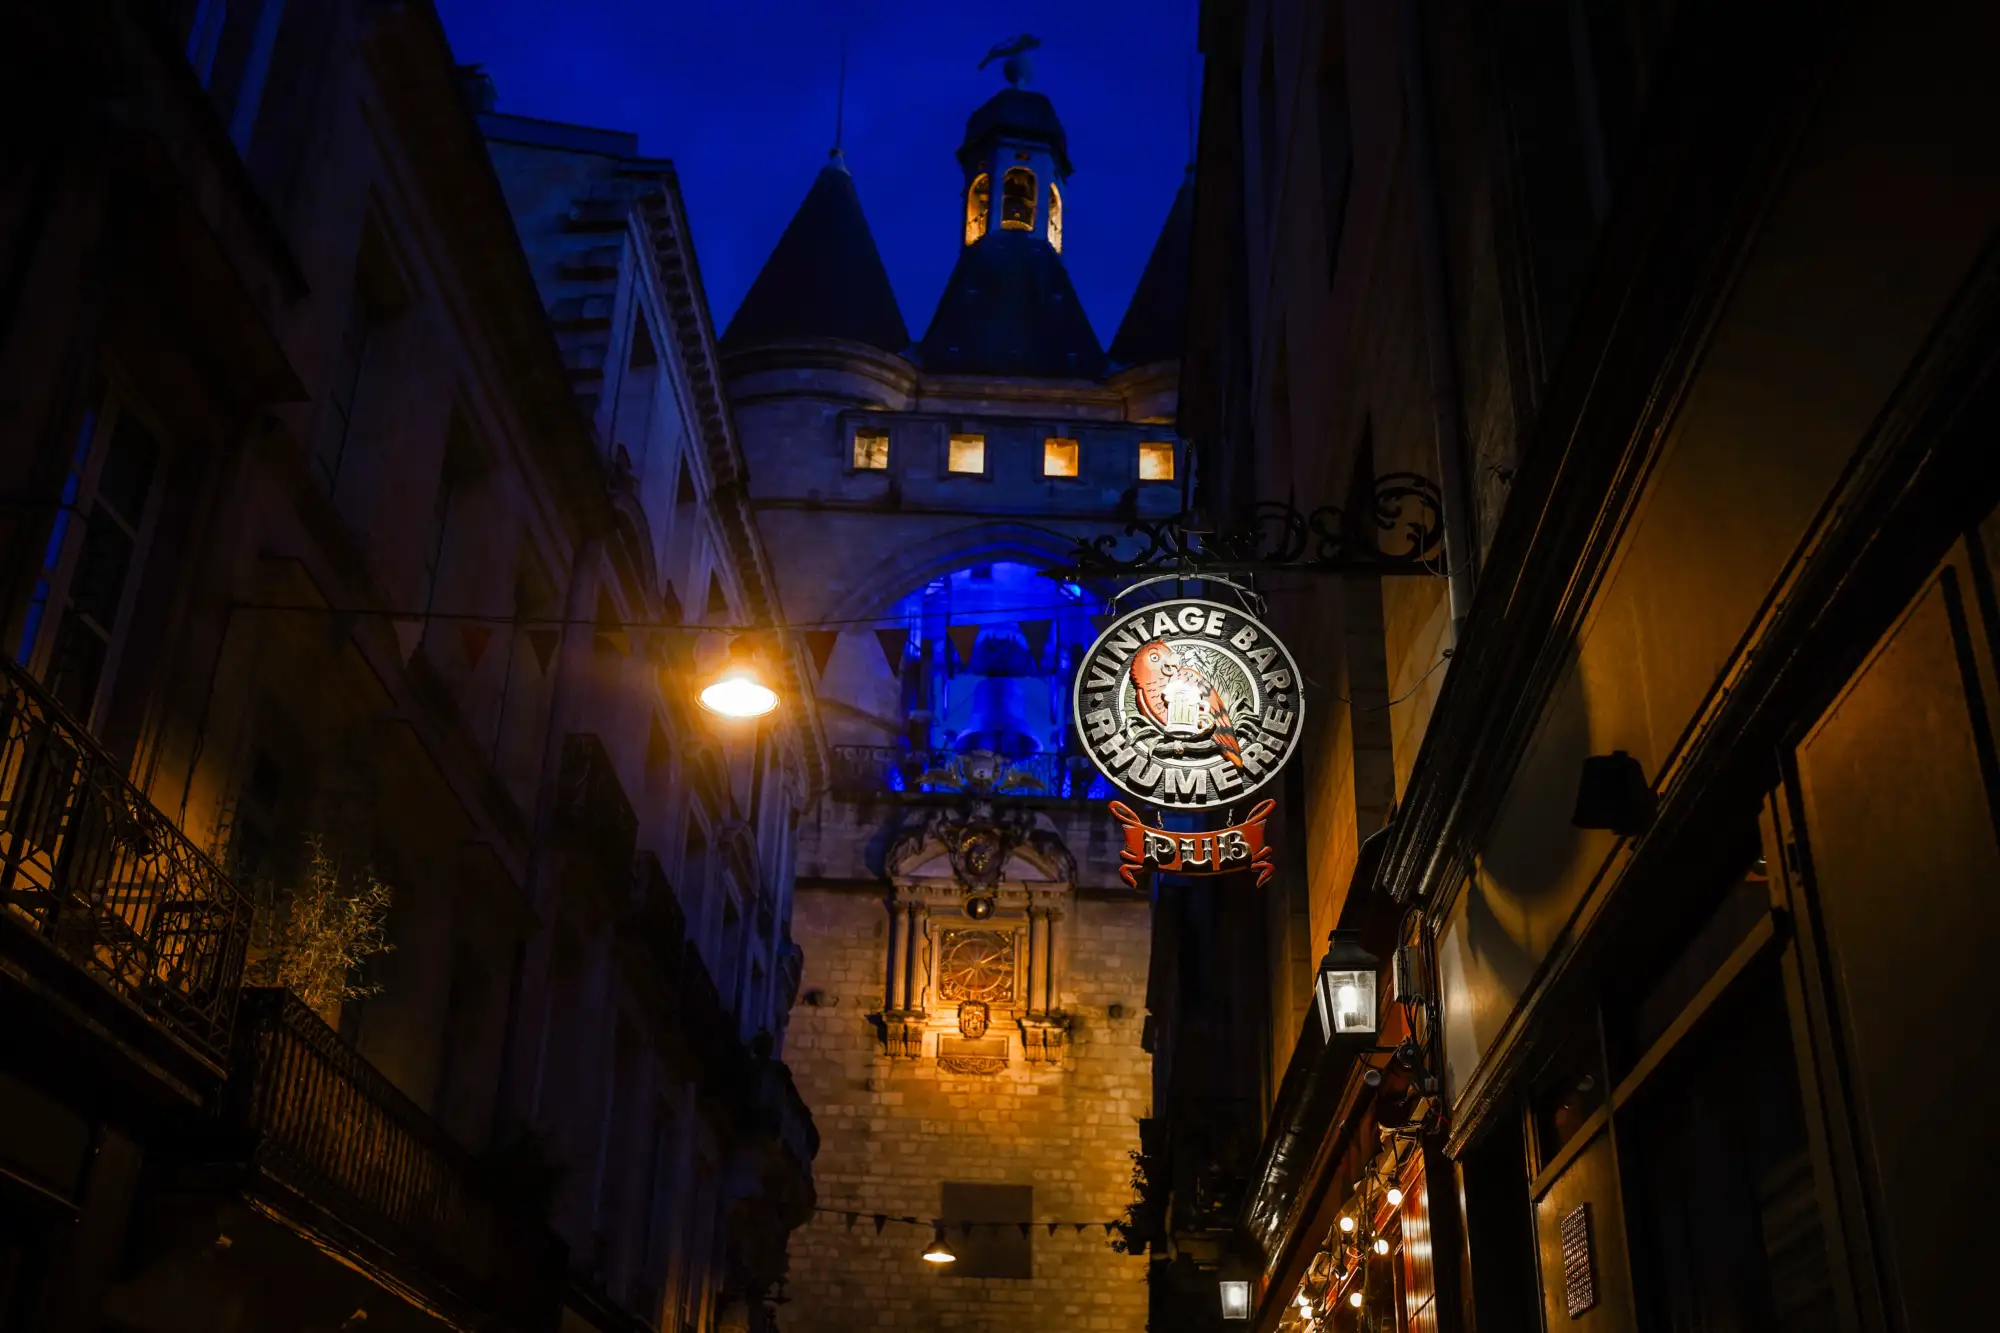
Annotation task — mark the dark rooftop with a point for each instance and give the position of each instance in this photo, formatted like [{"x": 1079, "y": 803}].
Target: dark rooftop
[
  {"x": 1009, "y": 309},
  {"x": 1015, "y": 113},
  {"x": 825, "y": 278},
  {"x": 1154, "y": 326}
]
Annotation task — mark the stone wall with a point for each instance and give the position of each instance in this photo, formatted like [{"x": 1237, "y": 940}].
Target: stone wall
[{"x": 893, "y": 1131}]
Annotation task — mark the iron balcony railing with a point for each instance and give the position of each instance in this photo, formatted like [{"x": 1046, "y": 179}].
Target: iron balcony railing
[
  {"x": 336, "y": 1137},
  {"x": 875, "y": 772},
  {"x": 90, "y": 867}
]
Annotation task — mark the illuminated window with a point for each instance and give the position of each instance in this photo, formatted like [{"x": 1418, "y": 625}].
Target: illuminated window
[
  {"x": 967, "y": 454},
  {"x": 976, "y": 201},
  {"x": 1055, "y": 217},
  {"x": 1058, "y": 456},
  {"x": 1156, "y": 461},
  {"x": 871, "y": 448},
  {"x": 1017, "y": 199}
]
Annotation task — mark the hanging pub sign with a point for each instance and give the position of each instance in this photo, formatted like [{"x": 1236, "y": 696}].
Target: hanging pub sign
[
  {"x": 1188, "y": 704},
  {"x": 1216, "y": 852}
]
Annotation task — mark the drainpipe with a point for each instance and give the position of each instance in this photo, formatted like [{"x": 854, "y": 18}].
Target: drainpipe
[{"x": 1447, "y": 420}]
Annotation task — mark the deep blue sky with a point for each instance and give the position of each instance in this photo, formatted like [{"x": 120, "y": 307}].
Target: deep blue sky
[{"x": 741, "y": 93}]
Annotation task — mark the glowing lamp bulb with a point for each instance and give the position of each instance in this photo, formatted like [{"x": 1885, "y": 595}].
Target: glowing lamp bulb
[
  {"x": 1395, "y": 1197},
  {"x": 939, "y": 1251},
  {"x": 1355, "y": 1300},
  {"x": 738, "y": 691},
  {"x": 1347, "y": 1224},
  {"x": 1381, "y": 1246},
  {"x": 1305, "y": 1301}
]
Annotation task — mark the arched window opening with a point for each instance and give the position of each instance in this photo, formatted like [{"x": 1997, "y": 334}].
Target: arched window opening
[
  {"x": 1055, "y": 216},
  {"x": 982, "y": 659},
  {"x": 1017, "y": 199},
  {"x": 976, "y": 203}
]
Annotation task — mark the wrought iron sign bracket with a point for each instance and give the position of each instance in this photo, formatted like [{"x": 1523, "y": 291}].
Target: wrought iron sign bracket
[{"x": 1402, "y": 532}]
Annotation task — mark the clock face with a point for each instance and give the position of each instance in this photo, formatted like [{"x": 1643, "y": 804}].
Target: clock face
[{"x": 1189, "y": 704}]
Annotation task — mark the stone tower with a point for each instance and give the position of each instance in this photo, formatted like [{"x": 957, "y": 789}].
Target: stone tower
[{"x": 969, "y": 1036}]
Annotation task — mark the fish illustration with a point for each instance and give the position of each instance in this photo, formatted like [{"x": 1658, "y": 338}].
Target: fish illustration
[{"x": 1178, "y": 698}]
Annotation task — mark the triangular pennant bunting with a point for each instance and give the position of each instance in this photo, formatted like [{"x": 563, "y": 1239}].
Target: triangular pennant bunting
[
  {"x": 963, "y": 638},
  {"x": 1036, "y": 634},
  {"x": 894, "y": 642},
  {"x": 965, "y": 1230},
  {"x": 474, "y": 639},
  {"x": 1110, "y": 1227},
  {"x": 820, "y": 643},
  {"x": 543, "y": 641},
  {"x": 849, "y": 1219},
  {"x": 1080, "y": 1226},
  {"x": 1026, "y": 1227},
  {"x": 409, "y": 633},
  {"x": 881, "y": 1220},
  {"x": 1053, "y": 1226}
]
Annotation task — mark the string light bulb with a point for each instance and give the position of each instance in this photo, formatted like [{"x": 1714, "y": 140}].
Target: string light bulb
[
  {"x": 738, "y": 690},
  {"x": 939, "y": 1251},
  {"x": 1395, "y": 1197},
  {"x": 1381, "y": 1245},
  {"x": 1347, "y": 1224},
  {"x": 1305, "y": 1301},
  {"x": 1355, "y": 1300}
]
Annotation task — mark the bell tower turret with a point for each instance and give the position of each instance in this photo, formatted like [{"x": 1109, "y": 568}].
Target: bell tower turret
[{"x": 1015, "y": 156}]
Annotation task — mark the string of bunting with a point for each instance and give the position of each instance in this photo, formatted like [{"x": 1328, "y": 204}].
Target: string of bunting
[
  {"x": 851, "y": 1216},
  {"x": 475, "y": 632}
]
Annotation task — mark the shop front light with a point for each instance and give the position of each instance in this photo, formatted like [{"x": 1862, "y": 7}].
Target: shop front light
[{"x": 1345, "y": 990}]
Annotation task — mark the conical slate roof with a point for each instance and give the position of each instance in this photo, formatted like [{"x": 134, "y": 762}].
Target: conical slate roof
[
  {"x": 825, "y": 278},
  {"x": 1009, "y": 309},
  {"x": 1155, "y": 323}
]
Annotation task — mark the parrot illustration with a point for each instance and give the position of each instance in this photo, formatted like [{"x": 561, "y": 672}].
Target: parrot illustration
[{"x": 1164, "y": 681}]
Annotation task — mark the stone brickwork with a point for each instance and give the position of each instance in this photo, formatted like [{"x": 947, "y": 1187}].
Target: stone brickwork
[{"x": 893, "y": 1131}]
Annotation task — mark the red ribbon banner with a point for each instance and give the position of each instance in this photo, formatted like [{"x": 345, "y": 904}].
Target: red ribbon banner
[{"x": 1217, "y": 852}]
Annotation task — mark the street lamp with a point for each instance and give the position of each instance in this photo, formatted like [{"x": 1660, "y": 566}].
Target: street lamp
[
  {"x": 939, "y": 1251},
  {"x": 1346, "y": 987},
  {"x": 738, "y": 690}
]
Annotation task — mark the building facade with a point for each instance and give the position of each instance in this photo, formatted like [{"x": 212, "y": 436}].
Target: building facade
[
  {"x": 355, "y": 506},
  {"x": 970, "y": 1034},
  {"x": 1674, "y": 779}
]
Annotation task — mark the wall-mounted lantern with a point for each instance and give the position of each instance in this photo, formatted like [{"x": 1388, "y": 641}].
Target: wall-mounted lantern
[
  {"x": 1612, "y": 793},
  {"x": 1345, "y": 990},
  {"x": 1235, "y": 1299}
]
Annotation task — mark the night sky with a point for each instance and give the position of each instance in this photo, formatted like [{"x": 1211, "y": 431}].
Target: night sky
[{"x": 741, "y": 95}]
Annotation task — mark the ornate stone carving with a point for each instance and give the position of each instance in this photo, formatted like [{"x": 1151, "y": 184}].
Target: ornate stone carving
[
  {"x": 1044, "y": 1039},
  {"x": 979, "y": 840},
  {"x": 903, "y": 1035},
  {"x": 973, "y": 1016},
  {"x": 972, "y": 1055},
  {"x": 976, "y": 965}
]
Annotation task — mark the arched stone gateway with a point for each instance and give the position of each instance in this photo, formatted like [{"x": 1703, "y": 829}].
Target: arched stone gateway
[{"x": 974, "y": 967}]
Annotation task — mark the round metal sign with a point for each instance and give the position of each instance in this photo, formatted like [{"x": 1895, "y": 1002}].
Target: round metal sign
[{"x": 1188, "y": 703}]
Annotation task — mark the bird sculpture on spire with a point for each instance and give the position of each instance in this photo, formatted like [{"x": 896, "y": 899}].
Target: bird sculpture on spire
[{"x": 1014, "y": 51}]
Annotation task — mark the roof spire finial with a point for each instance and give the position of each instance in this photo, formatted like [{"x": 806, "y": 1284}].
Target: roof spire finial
[
  {"x": 840, "y": 107},
  {"x": 1018, "y": 68}
]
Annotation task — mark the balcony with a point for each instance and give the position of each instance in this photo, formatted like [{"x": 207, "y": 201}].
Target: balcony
[
  {"x": 879, "y": 772},
  {"x": 331, "y": 1145},
  {"x": 93, "y": 875},
  {"x": 594, "y": 822}
]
